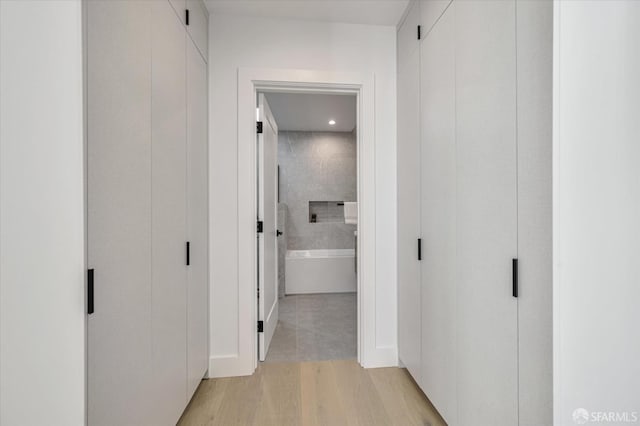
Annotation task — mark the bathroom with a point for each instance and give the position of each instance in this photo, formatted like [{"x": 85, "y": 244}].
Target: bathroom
[{"x": 317, "y": 217}]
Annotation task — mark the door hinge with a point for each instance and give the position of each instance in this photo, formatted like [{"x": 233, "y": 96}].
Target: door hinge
[
  {"x": 259, "y": 126},
  {"x": 259, "y": 227},
  {"x": 514, "y": 271},
  {"x": 260, "y": 326},
  {"x": 90, "y": 306},
  {"x": 419, "y": 248},
  {"x": 188, "y": 253},
  {"x": 186, "y": 17},
  {"x": 419, "y": 32}
]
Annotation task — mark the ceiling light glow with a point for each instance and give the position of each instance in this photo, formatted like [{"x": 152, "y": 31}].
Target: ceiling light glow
[{"x": 332, "y": 122}]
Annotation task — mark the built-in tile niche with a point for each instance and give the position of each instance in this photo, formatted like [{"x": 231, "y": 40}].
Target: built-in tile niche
[{"x": 326, "y": 211}]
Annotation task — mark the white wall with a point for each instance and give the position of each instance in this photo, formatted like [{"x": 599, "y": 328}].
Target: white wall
[
  {"x": 42, "y": 342},
  {"x": 596, "y": 209},
  {"x": 266, "y": 43}
]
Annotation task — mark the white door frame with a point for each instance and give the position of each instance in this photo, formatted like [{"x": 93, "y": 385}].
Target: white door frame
[{"x": 250, "y": 81}]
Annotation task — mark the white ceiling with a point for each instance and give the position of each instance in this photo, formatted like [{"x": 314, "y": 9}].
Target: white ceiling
[
  {"x": 312, "y": 112},
  {"x": 371, "y": 12}
]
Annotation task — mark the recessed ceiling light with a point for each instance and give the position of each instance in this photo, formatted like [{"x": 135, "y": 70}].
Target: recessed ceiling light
[{"x": 332, "y": 122}]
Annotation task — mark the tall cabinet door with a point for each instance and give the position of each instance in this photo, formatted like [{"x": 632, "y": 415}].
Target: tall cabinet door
[
  {"x": 438, "y": 160},
  {"x": 198, "y": 27},
  {"x": 487, "y": 356},
  {"x": 197, "y": 219},
  {"x": 118, "y": 211},
  {"x": 169, "y": 188},
  {"x": 409, "y": 192},
  {"x": 180, "y": 7}
]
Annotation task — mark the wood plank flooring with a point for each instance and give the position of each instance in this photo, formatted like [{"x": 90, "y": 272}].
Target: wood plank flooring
[{"x": 327, "y": 393}]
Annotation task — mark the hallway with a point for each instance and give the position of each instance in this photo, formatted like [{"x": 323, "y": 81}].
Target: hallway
[
  {"x": 319, "y": 212},
  {"x": 331, "y": 393}
]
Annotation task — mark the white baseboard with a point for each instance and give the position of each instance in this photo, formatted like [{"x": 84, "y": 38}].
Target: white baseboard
[
  {"x": 233, "y": 366},
  {"x": 385, "y": 356},
  {"x": 228, "y": 366}
]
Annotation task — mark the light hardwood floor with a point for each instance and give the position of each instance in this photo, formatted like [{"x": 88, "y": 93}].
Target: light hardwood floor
[{"x": 328, "y": 393}]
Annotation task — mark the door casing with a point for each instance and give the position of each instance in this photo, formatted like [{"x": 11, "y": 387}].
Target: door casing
[{"x": 250, "y": 82}]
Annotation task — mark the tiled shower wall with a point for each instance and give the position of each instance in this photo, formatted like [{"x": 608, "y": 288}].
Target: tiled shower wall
[{"x": 316, "y": 166}]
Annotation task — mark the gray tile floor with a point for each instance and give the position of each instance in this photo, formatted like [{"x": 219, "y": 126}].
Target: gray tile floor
[{"x": 317, "y": 327}]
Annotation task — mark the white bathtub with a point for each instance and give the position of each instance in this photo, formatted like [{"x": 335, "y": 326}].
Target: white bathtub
[{"x": 320, "y": 271}]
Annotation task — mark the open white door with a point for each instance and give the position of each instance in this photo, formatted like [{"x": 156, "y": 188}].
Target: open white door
[{"x": 267, "y": 214}]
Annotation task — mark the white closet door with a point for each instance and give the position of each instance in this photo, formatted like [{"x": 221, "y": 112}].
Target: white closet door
[
  {"x": 439, "y": 216},
  {"x": 198, "y": 26},
  {"x": 430, "y": 12},
  {"x": 118, "y": 211},
  {"x": 487, "y": 356},
  {"x": 198, "y": 219},
  {"x": 180, "y": 7},
  {"x": 409, "y": 193},
  {"x": 169, "y": 187}
]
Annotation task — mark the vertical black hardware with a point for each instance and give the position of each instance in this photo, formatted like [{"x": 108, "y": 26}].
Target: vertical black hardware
[
  {"x": 259, "y": 227},
  {"x": 514, "y": 268},
  {"x": 186, "y": 17},
  {"x": 260, "y": 326},
  {"x": 259, "y": 126},
  {"x": 188, "y": 253},
  {"x": 419, "y": 32},
  {"x": 419, "y": 248},
  {"x": 90, "y": 307},
  {"x": 278, "y": 232}
]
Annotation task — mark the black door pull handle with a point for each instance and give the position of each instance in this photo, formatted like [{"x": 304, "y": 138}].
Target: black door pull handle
[
  {"x": 514, "y": 272},
  {"x": 90, "y": 292},
  {"x": 278, "y": 232}
]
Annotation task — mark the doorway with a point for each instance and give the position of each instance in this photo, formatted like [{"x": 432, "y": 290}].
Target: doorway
[
  {"x": 307, "y": 212},
  {"x": 372, "y": 351}
]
